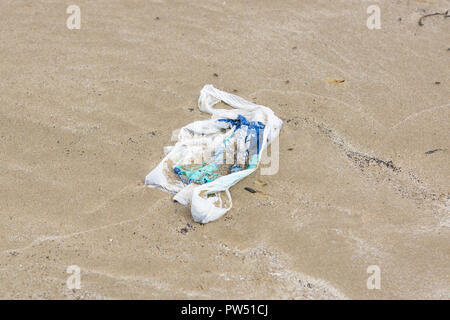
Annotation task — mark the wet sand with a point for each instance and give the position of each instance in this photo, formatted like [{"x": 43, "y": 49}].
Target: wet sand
[{"x": 364, "y": 173}]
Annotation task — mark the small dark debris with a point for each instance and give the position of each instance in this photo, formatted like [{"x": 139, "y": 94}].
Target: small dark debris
[
  {"x": 399, "y": 19},
  {"x": 235, "y": 90},
  {"x": 363, "y": 160},
  {"x": 157, "y": 18},
  {"x": 294, "y": 48},
  {"x": 433, "y": 151},
  {"x": 445, "y": 14},
  {"x": 287, "y": 82},
  {"x": 250, "y": 190},
  {"x": 186, "y": 229},
  {"x": 437, "y": 82},
  {"x": 216, "y": 75},
  {"x": 191, "y": 109},
  {"x": 290, "y": 149}
]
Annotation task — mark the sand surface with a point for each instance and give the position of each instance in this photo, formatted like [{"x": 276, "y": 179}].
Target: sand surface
[{"x": 364, "y": 174}]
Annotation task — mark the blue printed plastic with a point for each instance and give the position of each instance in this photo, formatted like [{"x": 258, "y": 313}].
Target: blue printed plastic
[{"x": 248, "y": 136}]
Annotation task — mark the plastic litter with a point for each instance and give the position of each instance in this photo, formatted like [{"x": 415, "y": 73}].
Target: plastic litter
[{"x": 210, "y": 156}]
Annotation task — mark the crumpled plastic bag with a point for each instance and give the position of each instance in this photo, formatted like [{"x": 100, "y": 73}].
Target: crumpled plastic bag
[{"x": 210, "y": 156}]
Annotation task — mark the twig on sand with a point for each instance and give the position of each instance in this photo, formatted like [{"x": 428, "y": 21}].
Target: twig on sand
[
  {"x": 250, "y": 190},
  {"x": 433, "y": 151},
  {"x": 445, "y": 14}
]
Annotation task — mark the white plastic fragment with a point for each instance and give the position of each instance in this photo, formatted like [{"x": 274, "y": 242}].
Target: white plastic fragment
[{"x": 225, "y": 136}]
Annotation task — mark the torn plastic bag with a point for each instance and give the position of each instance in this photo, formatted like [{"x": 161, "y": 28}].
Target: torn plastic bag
[{"x": 210, "y": 156}]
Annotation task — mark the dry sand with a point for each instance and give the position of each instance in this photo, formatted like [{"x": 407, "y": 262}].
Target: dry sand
[{"x": 85, "y": 115}]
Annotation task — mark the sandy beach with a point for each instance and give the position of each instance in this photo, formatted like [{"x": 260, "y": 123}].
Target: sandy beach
[{"x": 364, "y": 170}]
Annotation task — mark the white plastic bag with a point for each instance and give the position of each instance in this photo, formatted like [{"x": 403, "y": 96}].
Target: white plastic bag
[{"x": 239, "y": 135}]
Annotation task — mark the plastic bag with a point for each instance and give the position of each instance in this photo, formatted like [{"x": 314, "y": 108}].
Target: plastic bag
[{"x": 212, "y": 155}]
